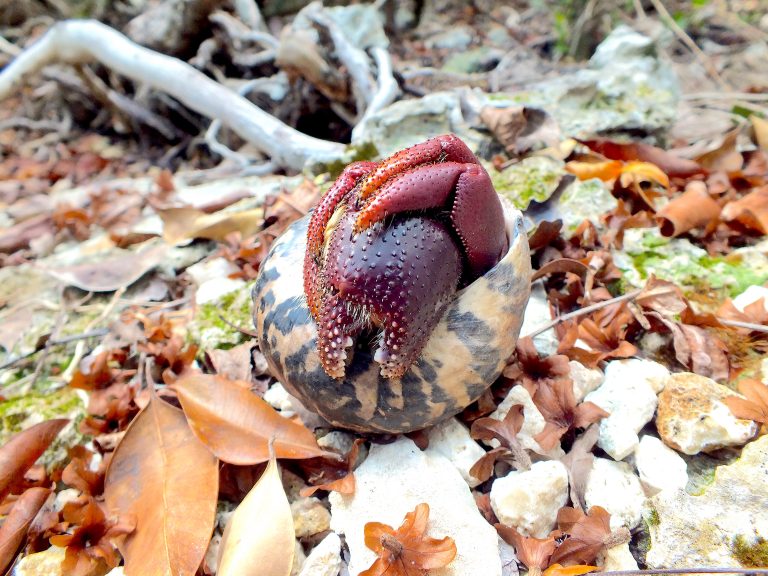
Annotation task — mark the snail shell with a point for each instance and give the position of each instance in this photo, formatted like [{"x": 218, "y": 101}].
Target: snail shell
[{"x": 464, "y": 355}]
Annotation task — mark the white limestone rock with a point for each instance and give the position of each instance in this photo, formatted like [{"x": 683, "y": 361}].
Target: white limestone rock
[
  {"x": 749, "y": 296},
  {"x": 529, "y": 500},
  {"x": 613, "y": 486},
  {"x": 536, "y": 315},
  {"x": 617, "y": 558},
  {"x": 45, "y": 563},
  {"x": 692, "y": 417},
  {"x": 451, "y": 439},
  {"x": 688, "y": 531},
  {"x": 660, "y": 467},
  {"x": 533, "y": 421},
  {"x": 337, "y": 440},
  {"x": 309, "y": 517},
  {"x": 324, "y": 559},
  {"x": 279, "y": 398},
  {"x": 585, "y": 380},
  {"x": 392, "y": 481},
  {"x": 629, "y": 395}
]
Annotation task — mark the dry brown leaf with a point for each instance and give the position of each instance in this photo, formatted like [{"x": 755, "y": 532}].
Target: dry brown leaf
[
  {"x": 558, "y": 570},
  {"x": 557, "y": 404},
  {"x": 259, "y": 538},
  {"x": 725, "y": 156},
  {"x": 521, "y": 128},
  {"x": 407, "y": 551},
  {"x": 113, "y": 273},
  {"x": 668, "y": 162},
  {"x": 237, "y": 425},
  {"x": 694, "y": 208},
  {"x": 13, "y": 532},
  {"x": 169, "y": 481},
  {"x": 760, "y": 128},
  {"x": 587, "y": 535},
  {"x": 751, "y": 210},
  {"x": 754, "y": 406},
  {"x": 605, "y": 170},
  {"x": 23, "y": 449},
  {"x": 185, "y": 223},
  {"x": 698, "y": 349},
  {"x": 578, "y": 462},
  {"x": 533, "y": 552},
  {"x": 233, "y": 363}
]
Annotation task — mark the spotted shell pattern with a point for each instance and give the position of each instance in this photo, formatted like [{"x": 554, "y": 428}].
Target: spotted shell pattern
[{"x": 464, "y": 355}]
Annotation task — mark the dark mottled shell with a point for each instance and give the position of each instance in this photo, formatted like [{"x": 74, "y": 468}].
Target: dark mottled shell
[{"x": 465, "y": 354}]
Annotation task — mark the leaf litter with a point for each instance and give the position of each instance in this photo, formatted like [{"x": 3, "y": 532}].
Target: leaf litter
[{"x": 137, "y": 380}]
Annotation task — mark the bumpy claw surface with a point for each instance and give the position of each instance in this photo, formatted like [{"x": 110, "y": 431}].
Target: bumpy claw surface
[{"x": 442, "y": 226}]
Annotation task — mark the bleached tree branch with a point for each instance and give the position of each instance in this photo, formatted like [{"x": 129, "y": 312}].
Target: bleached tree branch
[{"x": 81, "y": 41}]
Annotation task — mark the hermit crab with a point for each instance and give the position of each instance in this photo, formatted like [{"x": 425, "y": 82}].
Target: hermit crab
[{"x": 398, "y": 300}]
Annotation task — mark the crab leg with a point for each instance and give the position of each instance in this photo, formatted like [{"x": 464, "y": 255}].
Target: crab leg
[
  {"x": 446, "y": 147},
  {"x": 316, "y": 231}
]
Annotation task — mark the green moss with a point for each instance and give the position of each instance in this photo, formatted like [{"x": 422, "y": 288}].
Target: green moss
[
  {"x": 535, "y": 178},
  {"x": 652, "y": 517},
  {"x": 352, "y": 153},
  {"x": 693, "y": 269},
  {"x": 214, "y": 322},
  {"x": 751, "y": 554}
]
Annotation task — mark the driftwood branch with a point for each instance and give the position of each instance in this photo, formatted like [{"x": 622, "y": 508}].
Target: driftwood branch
[{"x": 81, "y": 41}]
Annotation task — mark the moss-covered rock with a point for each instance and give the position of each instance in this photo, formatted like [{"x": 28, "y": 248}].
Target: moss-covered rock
[
  {"x": 534, "y": 178},
  {"x": 214, "y": 323}
]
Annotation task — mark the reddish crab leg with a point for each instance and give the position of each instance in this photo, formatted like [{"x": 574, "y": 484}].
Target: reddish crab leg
[
  {"x": 316, "y": 231},
  {"x": 446, "y": 147}
]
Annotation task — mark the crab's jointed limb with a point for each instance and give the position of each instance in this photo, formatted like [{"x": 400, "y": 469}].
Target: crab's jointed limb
[{"x": 446, "y": 229}]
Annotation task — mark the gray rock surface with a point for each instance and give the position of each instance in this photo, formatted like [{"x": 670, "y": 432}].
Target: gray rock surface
[
  {"x": 701, "y": 530},
  {"x": 324, "y": 559},
  {"x": 660, "y": 467},
  {"x": 451, "y": 439}
]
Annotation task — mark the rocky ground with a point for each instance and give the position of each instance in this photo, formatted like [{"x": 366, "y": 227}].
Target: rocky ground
[{"x": 120, "y": 278}]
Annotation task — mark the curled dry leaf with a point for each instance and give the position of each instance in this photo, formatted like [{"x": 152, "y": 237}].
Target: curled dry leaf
[
  {"x": 407, "y": 551},
  {"x": 331, "y": 474},
  {"x": 558, "y": 570},
  {"x": 588, "y": 535},
  {"x": 669, "y": 163},
  {"x": 760, "y": 128},
  {"x": 505, "y": 431},
  {"x": 694, "y": 208},
  {"x": 237, "y": 425},
  {"x": 533, "y": 552},
  {"x": 23, "y": 449},
  {"x": 557, "y": 404},
  {"x": 578, "y": 462},
  {"x": 185, "y": 223},
  {"x": 259, "y": 537},
  {"x": 169, "y": 481},
  {"x": 13, "y": 532},
  {"x": 754, "y": 406},
  {"x": 750, "y": 211}
]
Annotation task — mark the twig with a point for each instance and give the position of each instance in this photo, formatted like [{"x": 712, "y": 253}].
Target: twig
[
  {"x": 80, "y": 348},
  {"x": 238, "y": 328},
  {"x": 55, "y": 342},
  {"x": 352, "y": 57},
  {"x": 747, "y": 325},
  {"x": 688, "y": 41},
  {"x": 212, "y": 134},
  {"x": 387, "y": 89},
  {"x": 703, "y": 570},
  {"x": 747, "y": 96},
  {"x": 79, "y": 41},
  {"x": 249, "y": 13},
  {"x": 582, "y": 311}
]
